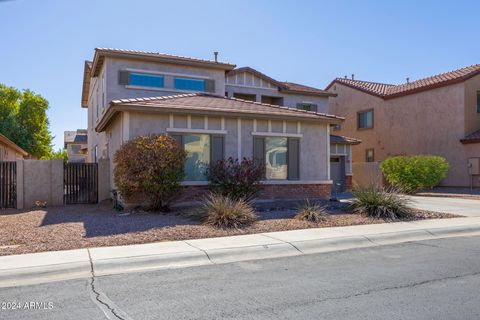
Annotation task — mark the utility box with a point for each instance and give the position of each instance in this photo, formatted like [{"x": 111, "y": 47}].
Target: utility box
[{"x": 474, "y": 166}]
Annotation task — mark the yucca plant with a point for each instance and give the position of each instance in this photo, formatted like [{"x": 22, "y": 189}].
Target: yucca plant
[
  {"x": 311, "y": 212},
  {"x": 225, "y": 212},
  {"x": 381, "y": 203}
]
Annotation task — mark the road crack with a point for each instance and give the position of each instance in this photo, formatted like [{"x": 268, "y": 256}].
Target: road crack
[{"x": 101, "y": 299}]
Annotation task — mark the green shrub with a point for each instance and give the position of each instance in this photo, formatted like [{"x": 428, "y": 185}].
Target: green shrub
[
  {"x": 311, "y": 212},
  {"x": 235, "y": 179},
  {"x": 380, "y": 203},
  {"x": 414, "y": 173},
  {"x": 150, "y": 167},
  {"x": 225, "y": 212}
]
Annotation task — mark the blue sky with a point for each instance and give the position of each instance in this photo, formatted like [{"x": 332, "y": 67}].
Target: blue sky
[{"x": 45, "y": 42}]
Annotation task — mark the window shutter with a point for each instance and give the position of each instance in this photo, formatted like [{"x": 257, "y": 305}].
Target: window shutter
[
  {"x": 123, "y": 77},
  {"x": 209, "y": 85},
  {"x": 217, "y": 149},
  {"x": 314, "y": 108},
  {"x": 259, "y": 149},
  {"x": 178, "y": 138},
  {"x": 293, "y": 159}
]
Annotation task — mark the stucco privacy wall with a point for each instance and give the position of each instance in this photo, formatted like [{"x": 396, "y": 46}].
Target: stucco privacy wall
[
  {"x": 367, "y": 174},
  {"x": 429, "y": 122},
  {"x": 39, "y": 180}
]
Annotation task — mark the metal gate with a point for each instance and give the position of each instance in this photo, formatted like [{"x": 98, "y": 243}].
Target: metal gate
[
  {"x": 80, "y": 183},
  {"x": 8, "y": 184}
]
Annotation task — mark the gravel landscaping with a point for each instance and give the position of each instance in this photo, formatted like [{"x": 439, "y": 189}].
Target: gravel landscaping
[{"x": 81, "y": 226}]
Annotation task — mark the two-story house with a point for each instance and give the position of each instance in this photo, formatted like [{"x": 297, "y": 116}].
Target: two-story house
[
  {"x": 76, "y": 145},
  {"x": 133, "y": 93},
  {"x": 438, "y": 115}
]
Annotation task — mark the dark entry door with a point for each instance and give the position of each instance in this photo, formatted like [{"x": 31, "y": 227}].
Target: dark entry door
[{"x": 337, "y": 174}]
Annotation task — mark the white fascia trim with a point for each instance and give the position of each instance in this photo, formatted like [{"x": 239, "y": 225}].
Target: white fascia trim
[
  {"x": 277, "y": 134},
  {"x": 160, "y": 73},
  {"x": 277, "y": 182},
  {"x": 185, "y": 130}
]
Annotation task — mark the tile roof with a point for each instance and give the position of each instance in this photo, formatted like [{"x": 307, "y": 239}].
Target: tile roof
[
  {"x": 472, "y": 138},
  {"x": 300, "y": 88},
  {"x": 343, "y": 140},
  {"x": 101, "y": 52},
  {"x": 388, "y": 91},
  {"x": 202, "y": 102}
]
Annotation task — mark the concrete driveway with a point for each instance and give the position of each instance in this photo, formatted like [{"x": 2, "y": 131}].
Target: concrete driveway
[{"x": 464, "y": 207}]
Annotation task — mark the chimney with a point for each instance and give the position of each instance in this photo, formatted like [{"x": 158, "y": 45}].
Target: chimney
[
  {"x": 408, "y": 80},
  {"x": 215, "y": 53},
  {"x": 353, "y": 76}
]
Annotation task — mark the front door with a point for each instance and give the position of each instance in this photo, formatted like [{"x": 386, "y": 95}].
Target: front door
[{"x": 337, "y": 174}]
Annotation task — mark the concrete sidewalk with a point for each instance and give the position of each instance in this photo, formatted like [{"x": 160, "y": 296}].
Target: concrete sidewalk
[{"x": 34, "y": 268}]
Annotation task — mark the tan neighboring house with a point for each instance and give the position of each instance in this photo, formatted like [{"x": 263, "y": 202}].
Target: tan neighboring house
[
  {"x": 438, "y": 115},
  {"x": 9, "y": 151},
  {"x": 76, "y": 145},
  {"x": 133, "y": 93}
]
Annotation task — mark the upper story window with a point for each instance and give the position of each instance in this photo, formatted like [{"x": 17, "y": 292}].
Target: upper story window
[
  {"x": 145, "y": 80},
  {"x": 189, "y": 84},
  {"x": 478, "y": 101},
  {"x": 307, "y": 106},
  {"x": 365, "y": 119}
]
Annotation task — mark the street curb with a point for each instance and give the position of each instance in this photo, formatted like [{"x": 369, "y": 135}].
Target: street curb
[
  {"x": 42, "y": 274},
  {"x": 104, "y": 267},
  {"x": 197, "y": 257}
]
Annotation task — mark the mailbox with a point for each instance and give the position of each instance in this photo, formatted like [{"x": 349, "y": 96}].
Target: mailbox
[{"x": 474, "y": 166}]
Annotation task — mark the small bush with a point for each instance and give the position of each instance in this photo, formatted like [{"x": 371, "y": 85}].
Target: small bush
[
  {"x": 311, "y": 212},
  {"x": 224, "y": 212},
  {"x": 414, "y": 173},
  {"x": 380, "y": 203},
  {"x": 235, "y": 179},
  {"x": 151, "y": 167}
]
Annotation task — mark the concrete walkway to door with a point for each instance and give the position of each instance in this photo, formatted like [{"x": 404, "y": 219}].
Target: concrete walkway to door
[{"x": 464, "y": 207}]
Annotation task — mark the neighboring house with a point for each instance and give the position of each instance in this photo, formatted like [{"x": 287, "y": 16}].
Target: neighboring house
[
  {"x": 438, "y": 115},
  {"x": 9, "y": 151},
  {"x": 133, "y": 93},
  {"x": 76, "y": 145}
]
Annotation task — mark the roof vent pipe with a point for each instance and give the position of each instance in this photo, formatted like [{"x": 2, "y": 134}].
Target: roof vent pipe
[
  {"x": 353, "y": 76},
  {"x": 346, "y": 77},
  {"x": 215, "y": 53},
  {"x": 408, "y": 80}
]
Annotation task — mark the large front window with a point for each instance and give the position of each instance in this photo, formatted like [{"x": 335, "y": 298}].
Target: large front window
[
  {"x": 276, "y": 158},
  {"x": 189, "y": 84},
  {"x": 197, "y": 147}
]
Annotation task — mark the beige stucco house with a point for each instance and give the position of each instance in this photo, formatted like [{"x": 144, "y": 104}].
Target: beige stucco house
[
  {"x": 438, "y": 115},
  {"x": 9, "y": 151},
  {"x": 133, "y": 93},
  {"x": 76, "y": 145}
]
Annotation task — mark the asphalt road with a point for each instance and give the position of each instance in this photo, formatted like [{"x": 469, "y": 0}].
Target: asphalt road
[{"x": 438, "y": 279}]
